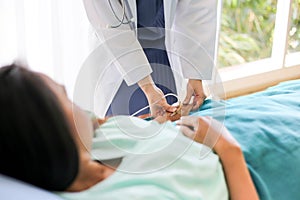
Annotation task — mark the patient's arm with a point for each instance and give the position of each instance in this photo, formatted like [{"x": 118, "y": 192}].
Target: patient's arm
[
  {"x": 237, "y": 175},
  {"x": 214, "y": 134}
]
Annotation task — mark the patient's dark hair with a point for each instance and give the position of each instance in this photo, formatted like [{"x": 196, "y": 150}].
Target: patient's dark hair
[{"x": 36, "y": 145}]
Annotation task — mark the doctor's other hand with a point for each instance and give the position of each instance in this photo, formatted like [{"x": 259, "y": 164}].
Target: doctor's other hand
[{"x": 194, "y": 96}]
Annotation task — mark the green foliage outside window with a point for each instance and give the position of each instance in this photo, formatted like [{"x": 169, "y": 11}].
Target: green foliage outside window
[
  {"x": 294, "y": 40},
  {"x": 247, "y": 28}
]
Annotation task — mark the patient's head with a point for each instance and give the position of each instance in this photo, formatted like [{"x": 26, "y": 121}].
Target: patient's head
[{"x": 36, "y": 141}]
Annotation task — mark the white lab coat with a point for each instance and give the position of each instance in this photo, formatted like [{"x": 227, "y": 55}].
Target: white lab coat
[{"x": 190, "y": 42}]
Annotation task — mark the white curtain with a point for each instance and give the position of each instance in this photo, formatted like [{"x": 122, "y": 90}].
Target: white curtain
[{"x": 50, "y": 36}]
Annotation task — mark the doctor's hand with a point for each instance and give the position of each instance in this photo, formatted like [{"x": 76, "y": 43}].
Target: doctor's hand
[
  {"x": 194, "y": 97},
  {"x": 157, "y": 101}
]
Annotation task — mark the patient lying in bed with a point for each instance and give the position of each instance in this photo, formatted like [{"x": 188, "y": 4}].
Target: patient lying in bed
[{"x": 49, "y": 142}]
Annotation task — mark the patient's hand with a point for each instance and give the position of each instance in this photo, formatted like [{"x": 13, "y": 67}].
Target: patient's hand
[
  {"x": 209, "y": 132},
  {"x": 212, "y": 133}
]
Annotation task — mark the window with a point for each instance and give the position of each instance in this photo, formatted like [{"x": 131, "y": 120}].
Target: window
[
  {"x": 294, "y": 33},
  {"x": 259, "y": 44},
  {"x": 294, "y": 36},
  {"x": 246, "y": 31}
]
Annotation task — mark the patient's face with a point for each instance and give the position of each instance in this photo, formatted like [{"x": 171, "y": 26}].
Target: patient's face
[{"x": 79, "y": 121}]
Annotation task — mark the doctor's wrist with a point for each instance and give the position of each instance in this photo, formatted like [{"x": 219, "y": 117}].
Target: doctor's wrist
[
  {"x": 147, "y": 84},
  {"x": 149, "y": 88}
]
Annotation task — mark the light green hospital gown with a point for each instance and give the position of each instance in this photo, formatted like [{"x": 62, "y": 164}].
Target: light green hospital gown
[{"x": 158, "y": 163}]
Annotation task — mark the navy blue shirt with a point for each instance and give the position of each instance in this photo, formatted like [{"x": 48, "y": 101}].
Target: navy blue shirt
[
  {"x": 151, "y": 23},
  {"x": 151, "y": 35}
]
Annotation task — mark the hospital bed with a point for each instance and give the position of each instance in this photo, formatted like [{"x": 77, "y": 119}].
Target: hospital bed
[{"x": 266, "y": 124}]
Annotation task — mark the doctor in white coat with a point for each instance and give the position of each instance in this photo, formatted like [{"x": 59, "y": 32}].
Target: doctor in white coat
[{"x": 189, "y": 41}]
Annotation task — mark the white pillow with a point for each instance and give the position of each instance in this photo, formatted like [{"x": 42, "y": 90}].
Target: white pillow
[{"x": 13, "y": 189}]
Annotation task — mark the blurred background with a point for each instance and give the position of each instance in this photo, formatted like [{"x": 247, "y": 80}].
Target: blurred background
[{"x": 260, "y": 37}]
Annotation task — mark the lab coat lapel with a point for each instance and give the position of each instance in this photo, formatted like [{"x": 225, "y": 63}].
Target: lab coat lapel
[
  {"x": 132, "y": 5},
  {"x": 169, "y": 7}
]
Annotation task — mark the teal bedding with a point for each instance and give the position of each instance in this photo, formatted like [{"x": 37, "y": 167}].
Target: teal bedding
[{"x": 267, "y": 125}]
